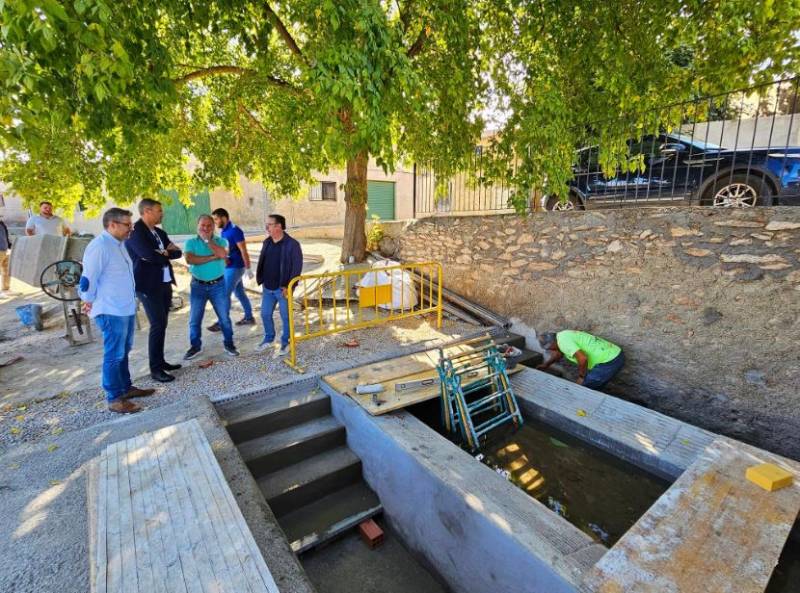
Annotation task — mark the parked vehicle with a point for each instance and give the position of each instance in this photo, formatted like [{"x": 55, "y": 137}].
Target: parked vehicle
[{"x": 683, "y": 170}]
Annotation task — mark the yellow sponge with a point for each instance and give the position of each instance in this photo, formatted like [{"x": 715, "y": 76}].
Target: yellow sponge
[{"x": 769, "y": 476}]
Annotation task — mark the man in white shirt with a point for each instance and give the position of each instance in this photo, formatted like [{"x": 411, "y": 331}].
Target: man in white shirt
[
  {"x": 107, "y": 290},
  {"x": 46, "y": 223}
]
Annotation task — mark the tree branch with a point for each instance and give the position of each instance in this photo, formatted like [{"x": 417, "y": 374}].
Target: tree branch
[
  {"x": 284, "y": 33},
  {"x": 255, "y": 121},
  {"x": 222, "y": 70},
  {"x": 419, "y": 43}
]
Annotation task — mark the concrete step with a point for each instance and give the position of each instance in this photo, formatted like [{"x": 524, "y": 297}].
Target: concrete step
[
  {"x": 279, "y": 449},
  {"x": 324, "y": 519},
  {"x": 252, "y": 420},
  {"x": 299, "y": 484}
]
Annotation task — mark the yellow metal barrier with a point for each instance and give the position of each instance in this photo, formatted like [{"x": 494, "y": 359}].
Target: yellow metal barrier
[{"x": 375, "y": 303}]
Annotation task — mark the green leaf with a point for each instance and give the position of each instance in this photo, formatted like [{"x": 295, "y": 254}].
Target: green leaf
[{"x": 556, "y": 443}]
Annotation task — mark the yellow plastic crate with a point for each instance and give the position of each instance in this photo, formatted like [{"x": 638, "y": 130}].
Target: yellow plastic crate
[{"x": 371, "y": 296}]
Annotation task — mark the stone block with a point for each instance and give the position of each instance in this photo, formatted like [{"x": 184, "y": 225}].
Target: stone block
[
  {"x": 741, "y": 224},
  {"x": 697, "y": 252},
  {"x": 678, "y": 231},
  {"x": 748, "y": 258},
  {"x": 782, "y": 225}
]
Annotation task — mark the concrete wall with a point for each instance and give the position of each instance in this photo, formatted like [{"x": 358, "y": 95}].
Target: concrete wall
[
  {"x": 306, "y": 212},
  {"x": 479, "y": 532},
  {"x": 704, "y": 302}
]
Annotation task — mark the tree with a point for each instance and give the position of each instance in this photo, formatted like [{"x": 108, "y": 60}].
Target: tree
[
  {"x": 116, "y": 100},
  {"x": 571, "y": 73},
  {"x": 101, "y": 99}
]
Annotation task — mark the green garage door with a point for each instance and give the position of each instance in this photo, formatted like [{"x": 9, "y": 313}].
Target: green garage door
[
  {"x": 180, "y": 220},
  {"x": 380, "y": 200}
]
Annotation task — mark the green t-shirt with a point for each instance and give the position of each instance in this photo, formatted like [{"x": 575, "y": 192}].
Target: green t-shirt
[
  {"x": 211, "y": 270},
  {"x": 597, "y": 350}
]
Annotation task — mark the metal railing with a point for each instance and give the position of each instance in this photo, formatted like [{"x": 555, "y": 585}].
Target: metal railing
[
  {"x": 731, "y": 149},
  {"x": 346, "y": 300}
]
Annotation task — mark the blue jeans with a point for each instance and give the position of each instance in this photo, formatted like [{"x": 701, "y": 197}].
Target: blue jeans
[
  {"x": 603, "y": 373},
  {"x": 268, "y": 301},
  {"x": 117, "y": 343},
  {"x": 234, "y": 285},
  {"x": 199, "y": 295}
]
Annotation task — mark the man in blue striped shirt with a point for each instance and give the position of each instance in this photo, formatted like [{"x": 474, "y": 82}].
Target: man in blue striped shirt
[{"x": 107, "y": 290}]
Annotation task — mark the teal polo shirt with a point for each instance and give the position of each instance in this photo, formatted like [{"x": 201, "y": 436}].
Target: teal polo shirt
[{"x": 211, "y": 270}]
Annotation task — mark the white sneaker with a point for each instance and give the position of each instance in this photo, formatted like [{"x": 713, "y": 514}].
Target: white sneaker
[
  {"x": 264, "y": 346},
  {"x": 284, "y": 351}
]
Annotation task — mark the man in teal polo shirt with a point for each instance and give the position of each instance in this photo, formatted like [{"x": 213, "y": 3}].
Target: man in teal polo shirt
[
  {"x": 598, "y": 360},
  {"x": 206, "y": 254}
]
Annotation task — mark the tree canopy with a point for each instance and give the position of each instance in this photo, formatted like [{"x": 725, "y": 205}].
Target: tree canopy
[{"x": 114, "y": 99}]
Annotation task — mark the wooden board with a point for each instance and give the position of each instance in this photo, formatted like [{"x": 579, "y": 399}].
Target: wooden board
[
  {"x": 163, "y": 519},
  {"x": 411, "y": 367},
  {"x": 711, "y": 531}
]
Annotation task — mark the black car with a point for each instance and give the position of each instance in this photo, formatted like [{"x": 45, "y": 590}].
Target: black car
[{"x": 682, "y": 170}]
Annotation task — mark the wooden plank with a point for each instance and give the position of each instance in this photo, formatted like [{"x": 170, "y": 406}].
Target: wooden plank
[
  {"x": 159, "y": 554},
  {"x": 165, "y": 521},
  {"x": 114, "y": 576},
  {"x": 173, "y": 529},
  {"x": 144, "y": 570},
  {"x": 130, "y": 581},
  {"x": 248, "y": 552},
  {"x": 194, "y": 560},
  {"x": 411, "y": 367},
  {"x": 191, "y": 473},
  {"x": 98, "y": 502},
  {"x": 220, "y": 528},
  {"x": 713, "y": 530}
]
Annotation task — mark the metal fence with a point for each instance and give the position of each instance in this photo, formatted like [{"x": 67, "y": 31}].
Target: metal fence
[
  {"x": 346, "y": 300},
  {"x": 736, "y": 149}
]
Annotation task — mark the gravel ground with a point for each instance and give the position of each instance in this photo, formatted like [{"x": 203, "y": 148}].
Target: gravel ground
[{"x": 73, "y": 411}]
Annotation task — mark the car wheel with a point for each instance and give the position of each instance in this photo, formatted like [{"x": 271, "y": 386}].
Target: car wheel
[
  {"x": 738, "y": 191},
  {"x": 553, "y": 204}
]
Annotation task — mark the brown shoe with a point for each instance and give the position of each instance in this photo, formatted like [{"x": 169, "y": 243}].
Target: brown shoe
[
  {"x": 123, "y": 406},
  {"x": 136, "y": 392}
]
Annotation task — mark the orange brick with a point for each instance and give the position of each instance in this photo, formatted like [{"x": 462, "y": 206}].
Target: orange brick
[{"x": 371, "y": 533}]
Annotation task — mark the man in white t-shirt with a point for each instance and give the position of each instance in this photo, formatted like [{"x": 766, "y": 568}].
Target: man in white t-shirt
[{"x": 46, "y": 223}]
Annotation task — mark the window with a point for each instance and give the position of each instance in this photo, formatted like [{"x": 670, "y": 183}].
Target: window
[
  {"x": 325, "y": 190},
  {"x": 329, "y": 190}
]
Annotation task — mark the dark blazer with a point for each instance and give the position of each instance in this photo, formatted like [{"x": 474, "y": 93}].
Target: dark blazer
[
  {"x": 8, "y": 235},
  {"x": 291, "y": 260},
  {"x": 148, "y": 263}
]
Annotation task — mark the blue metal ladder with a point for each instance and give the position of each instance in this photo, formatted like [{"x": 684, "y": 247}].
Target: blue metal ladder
[{"x": 481, "y": 369}]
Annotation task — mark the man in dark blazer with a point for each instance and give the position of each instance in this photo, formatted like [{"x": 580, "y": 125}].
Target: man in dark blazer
[{"x": 151, "y": 251}]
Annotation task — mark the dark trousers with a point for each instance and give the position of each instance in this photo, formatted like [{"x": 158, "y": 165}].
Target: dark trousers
[{"x": 156, "y": 304}]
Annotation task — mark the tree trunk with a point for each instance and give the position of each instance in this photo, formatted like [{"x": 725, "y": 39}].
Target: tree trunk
[{"x": 355, "y": 196}]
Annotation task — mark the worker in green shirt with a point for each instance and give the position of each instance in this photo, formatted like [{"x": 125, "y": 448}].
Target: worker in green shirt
[{"x": 598, "y": 360}]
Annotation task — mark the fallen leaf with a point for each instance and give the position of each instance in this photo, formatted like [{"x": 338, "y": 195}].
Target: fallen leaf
[
  {"x": 58, "y": 430},
  {"x": 19, "y": 418},
  {"x": 52, "y": 448},
  {"x": 581, "y": 412},
  {"x": 15, "y": 430},
  {"x": 352, "y": 343},
  {"x": 55, "y": 482},
  {"x": 205, "y": 364},
  {"x": 13, "y": 466},
  {"x": 685, "y": 442},
  {"x": 22, "y": 408},
  {"x": 554, "y": 441}
]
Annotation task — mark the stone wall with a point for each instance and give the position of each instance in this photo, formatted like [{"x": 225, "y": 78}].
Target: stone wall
[{"x": 706, "y": 303}]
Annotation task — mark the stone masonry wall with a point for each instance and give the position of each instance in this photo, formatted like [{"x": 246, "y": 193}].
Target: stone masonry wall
[{"x": 705, "y": 303}]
